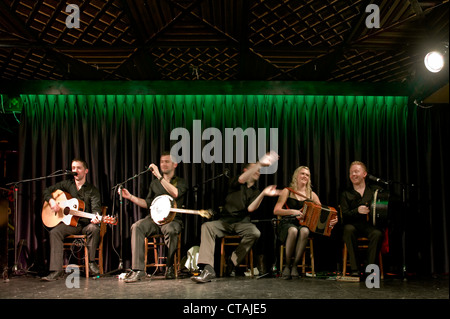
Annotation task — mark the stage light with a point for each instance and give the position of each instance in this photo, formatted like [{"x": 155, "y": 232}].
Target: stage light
[{"x": 434, "y": 61}]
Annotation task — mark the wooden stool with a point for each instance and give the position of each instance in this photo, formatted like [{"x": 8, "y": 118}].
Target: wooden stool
[
  {"x": 103, "y": 230},
  {"x": 157, "y": 244},
  {"x": 234, "y": 241}
]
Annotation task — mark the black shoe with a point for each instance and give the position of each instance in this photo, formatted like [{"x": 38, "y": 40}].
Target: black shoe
[
  {"x": 93, "y": 269},
  {"x": 355, "y": 273},
  {"x": 294, "y": 272},
  {"x": 286, "y": 274},
  {"x": 170, "y": 273},
  {"x": 135, "y": 276},
  {"x": 53, "y": 276},
  {"x": 205, "y": 276}
]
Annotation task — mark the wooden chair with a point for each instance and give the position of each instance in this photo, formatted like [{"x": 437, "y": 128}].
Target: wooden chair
[
  {"x": 81, "y": 240},
  {"x": 362, "y": 243},
  {"x": 156, "y": 243},
  {"x": 234, "y": 240},
  {"x": 103, "y": 229},
  {"x": 303, "y": 265}
]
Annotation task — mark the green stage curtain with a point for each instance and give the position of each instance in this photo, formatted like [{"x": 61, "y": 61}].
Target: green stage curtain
[{"x": 120, "y": 135}]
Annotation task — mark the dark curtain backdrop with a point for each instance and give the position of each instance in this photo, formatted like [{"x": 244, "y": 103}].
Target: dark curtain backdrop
[{"x": 120, "y": 135}]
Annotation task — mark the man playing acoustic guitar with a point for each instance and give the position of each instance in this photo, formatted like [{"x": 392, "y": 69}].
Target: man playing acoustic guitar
[{"x": 80, "y": 189}]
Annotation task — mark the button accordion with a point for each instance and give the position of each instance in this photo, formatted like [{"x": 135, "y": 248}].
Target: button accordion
[{"x": 318, "y": 217}]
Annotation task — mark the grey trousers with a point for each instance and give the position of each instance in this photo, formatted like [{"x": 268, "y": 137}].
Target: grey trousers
[
  {"x": 218, "y": 229},
  {"x": 59, "y": 232},
  {"x": 146, "y": 227}
]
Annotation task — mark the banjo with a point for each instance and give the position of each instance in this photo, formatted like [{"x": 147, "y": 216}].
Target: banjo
[{"x": 163, "y": 210}]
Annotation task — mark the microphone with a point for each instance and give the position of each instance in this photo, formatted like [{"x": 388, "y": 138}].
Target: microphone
[
  {"x": 376, "y": 179},
  {"x": 226, "y": 172},
  {"x": 67, "y": 172}
]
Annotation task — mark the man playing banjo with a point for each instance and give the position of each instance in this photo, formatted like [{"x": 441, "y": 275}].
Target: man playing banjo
[{"x": 166, "y": 183}]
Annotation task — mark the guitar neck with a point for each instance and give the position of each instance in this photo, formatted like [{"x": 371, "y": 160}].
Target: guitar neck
[{"x": 82, "y": 214}]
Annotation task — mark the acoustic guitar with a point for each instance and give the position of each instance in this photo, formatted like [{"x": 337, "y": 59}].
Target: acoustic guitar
[{"x": 71, "y": 211}]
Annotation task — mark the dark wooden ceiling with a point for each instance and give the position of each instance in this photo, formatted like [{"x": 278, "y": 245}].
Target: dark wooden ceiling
[{"x": 224, "y": 40}]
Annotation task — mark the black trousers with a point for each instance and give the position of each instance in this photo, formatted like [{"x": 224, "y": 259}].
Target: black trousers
[
  {"x": 352, "y": 232},
  {"x": 61, "y": 231}
]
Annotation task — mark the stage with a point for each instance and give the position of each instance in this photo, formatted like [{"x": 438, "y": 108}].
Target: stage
[{"x": 274, "y": 295}]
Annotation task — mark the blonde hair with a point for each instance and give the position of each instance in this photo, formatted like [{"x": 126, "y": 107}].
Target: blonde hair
[
  {"x": 359, "y": 163},
  {"x": 294, "y": 181}
]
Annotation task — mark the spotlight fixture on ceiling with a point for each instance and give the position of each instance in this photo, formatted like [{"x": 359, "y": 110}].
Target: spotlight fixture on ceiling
[{"x": 434, "y": 60}]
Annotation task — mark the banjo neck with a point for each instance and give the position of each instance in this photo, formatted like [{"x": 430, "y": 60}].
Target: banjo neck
[{"x": 185, "y": 211}]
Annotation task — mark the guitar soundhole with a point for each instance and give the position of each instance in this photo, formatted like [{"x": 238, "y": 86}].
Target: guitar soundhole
[{"x": 66, "y": 210}]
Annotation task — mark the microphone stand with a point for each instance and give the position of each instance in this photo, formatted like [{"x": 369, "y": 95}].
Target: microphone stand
[
  {"x": 197, "y": 186},
  {"x": 274, "y": 222},
  {"x": 115, "y": 188},
  {"x": 15, "y": 187},
  {"x": 403, "y": 218}
]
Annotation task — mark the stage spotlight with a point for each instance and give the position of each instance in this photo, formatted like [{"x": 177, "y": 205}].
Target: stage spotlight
[{"x": 434, "y": 61}]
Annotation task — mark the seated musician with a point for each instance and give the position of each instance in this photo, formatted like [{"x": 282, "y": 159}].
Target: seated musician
[
  {"x": 166, "y": 183},
  {"x": 355, "y": 203},
  {"x": 242, "y": 199},
  {"x": 78, "y": 188},
  {"x": 289, "y": 207}
]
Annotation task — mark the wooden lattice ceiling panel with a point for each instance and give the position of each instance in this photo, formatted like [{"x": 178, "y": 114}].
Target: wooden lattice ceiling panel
[{"x": 295, "y": 40}]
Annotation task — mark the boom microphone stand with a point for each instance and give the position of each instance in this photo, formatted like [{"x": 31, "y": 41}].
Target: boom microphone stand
[
  {"x": 196, "y": 187},
  {"x": 403, "y": 187},
  {"x": 403, "y": 219},
  {"x": 274, "y": 222},
  {"x": 15, "y": 186},
  {"x": 118, "y": 188}
]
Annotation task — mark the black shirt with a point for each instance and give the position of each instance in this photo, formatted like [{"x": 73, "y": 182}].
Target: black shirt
[
  {"x": 351, "y": 200},
  {"x": 239, "y": 197},
  {"x": 88, "y": 193},
  {"x": 156, "y": 189}
]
